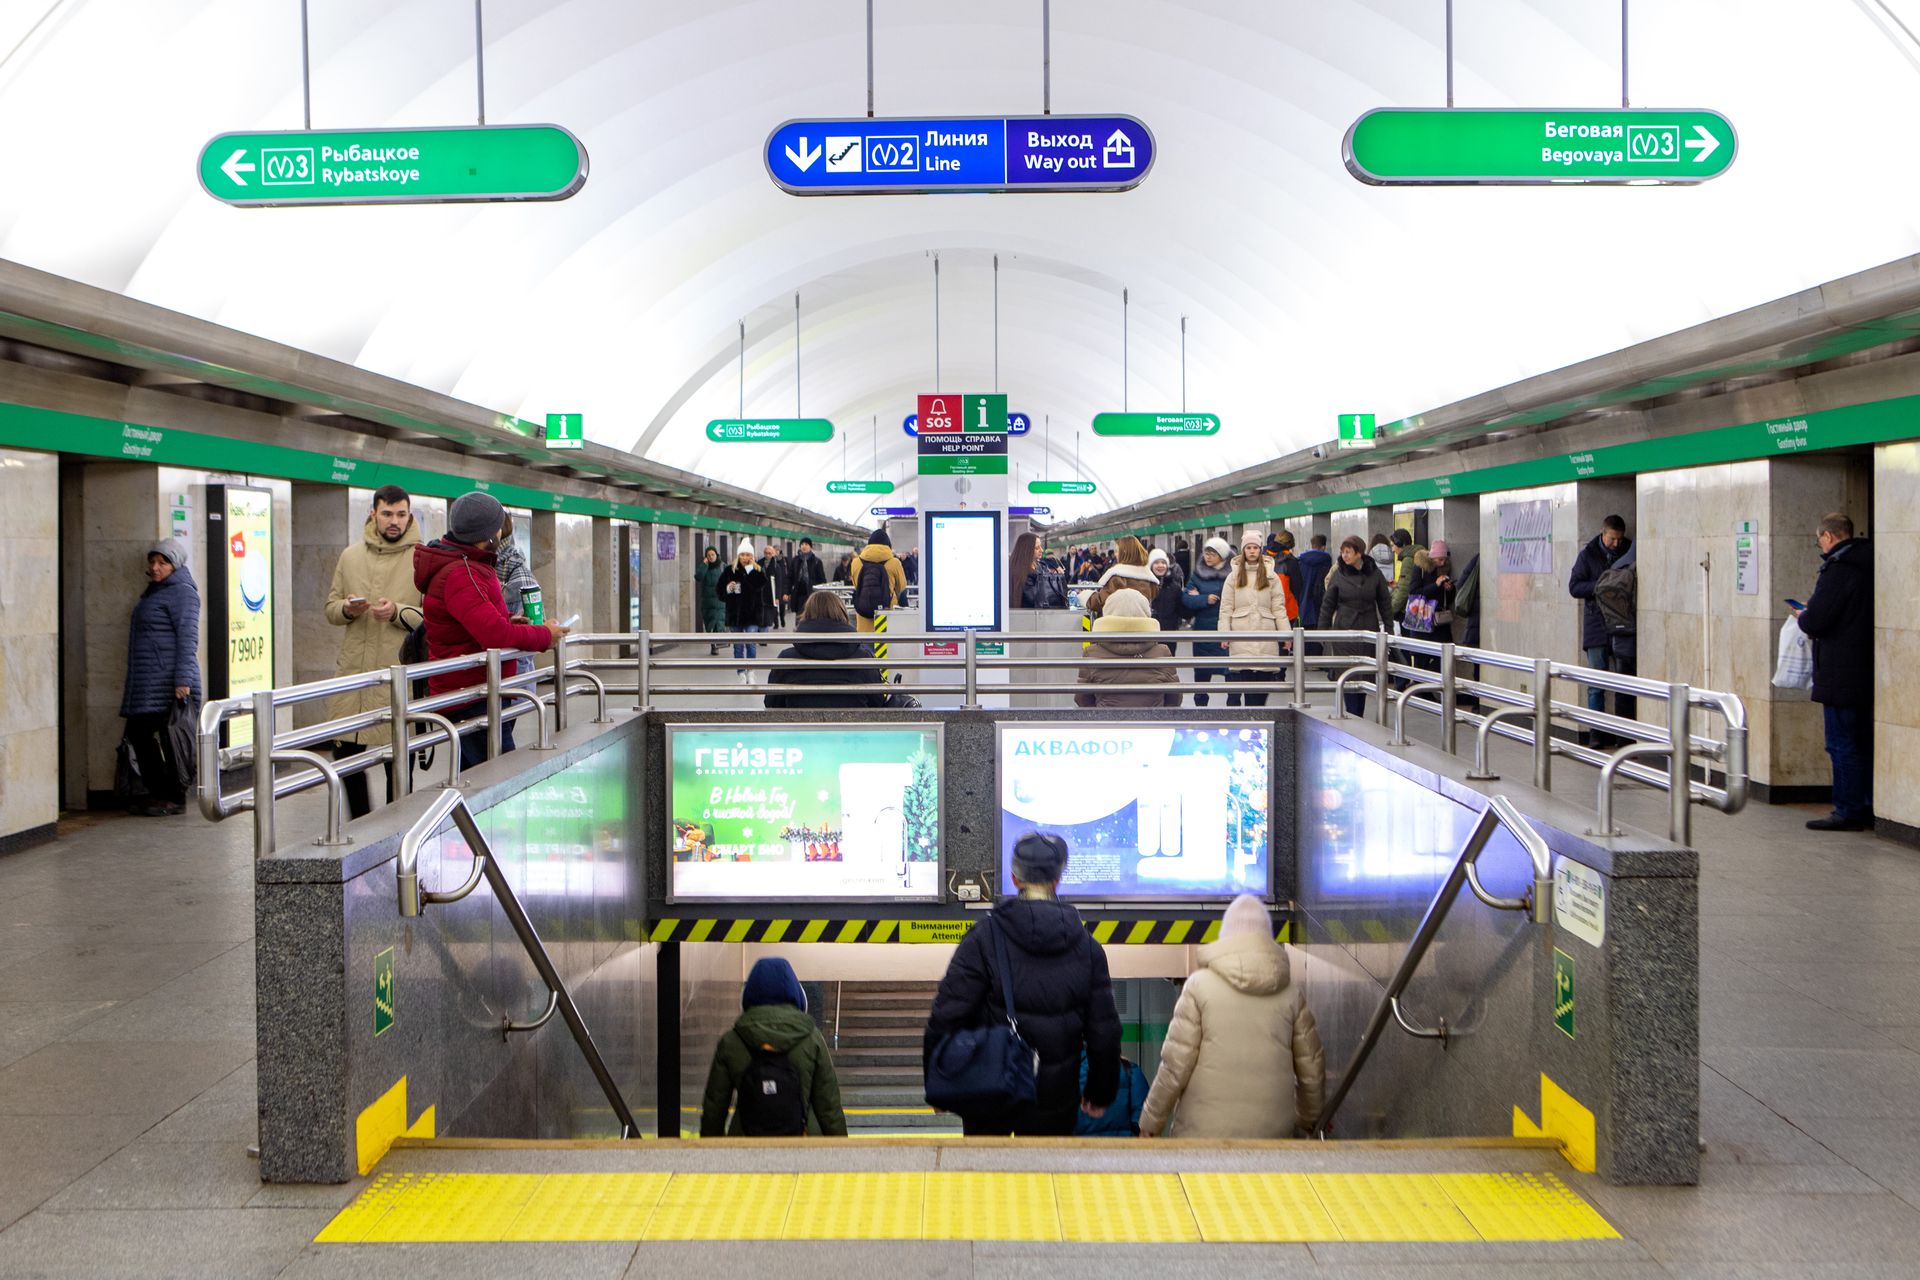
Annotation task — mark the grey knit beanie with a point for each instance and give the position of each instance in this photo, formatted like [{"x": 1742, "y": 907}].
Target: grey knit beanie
[{"x": 475, "y": 518}]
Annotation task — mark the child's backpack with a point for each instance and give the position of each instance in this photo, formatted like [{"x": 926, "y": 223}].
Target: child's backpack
[{"x": 771, "y": 1103}]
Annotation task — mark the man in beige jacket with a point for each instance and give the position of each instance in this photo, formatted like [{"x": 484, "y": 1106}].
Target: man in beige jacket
[
  {"x": 374, "y": 597},
  {"x": 1242, "y": 1057}
]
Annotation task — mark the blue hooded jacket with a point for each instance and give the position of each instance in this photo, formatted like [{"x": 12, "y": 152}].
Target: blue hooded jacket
[
  {"x": 163, "y": 638},
  {"x": 772, "y": 981}
]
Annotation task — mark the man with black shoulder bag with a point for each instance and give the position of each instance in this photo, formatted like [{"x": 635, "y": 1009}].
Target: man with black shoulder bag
[{"x": 1026, "y": 993}]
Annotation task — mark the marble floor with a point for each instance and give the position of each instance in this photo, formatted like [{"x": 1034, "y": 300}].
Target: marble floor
[{"x": 127, "y": 1087}]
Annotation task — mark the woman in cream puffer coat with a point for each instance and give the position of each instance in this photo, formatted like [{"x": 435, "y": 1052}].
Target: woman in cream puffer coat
[{"x": 1242, "y": 1057}]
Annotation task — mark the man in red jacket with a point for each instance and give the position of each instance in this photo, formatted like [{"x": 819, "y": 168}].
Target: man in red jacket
[{"x": 464, "y": 610}]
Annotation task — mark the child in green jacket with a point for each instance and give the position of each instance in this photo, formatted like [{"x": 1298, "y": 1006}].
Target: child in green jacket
[{"x": 772, "y": 1067}]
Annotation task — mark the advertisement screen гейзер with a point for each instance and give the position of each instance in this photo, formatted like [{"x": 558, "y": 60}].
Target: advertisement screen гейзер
[{"x": 804, "y": 812}]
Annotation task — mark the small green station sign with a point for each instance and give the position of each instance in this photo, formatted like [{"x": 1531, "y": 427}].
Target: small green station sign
[
  {"x": 1155, "y": 424},
  {"x": 859, "y": 486},
  {"x": 394, "y": 166},
  {"x": 1495, "y": 147},
  {"x": 1060, "y": 486},
  {"x": 566, "y": 431},
  {"x": 770, "y": 430}
]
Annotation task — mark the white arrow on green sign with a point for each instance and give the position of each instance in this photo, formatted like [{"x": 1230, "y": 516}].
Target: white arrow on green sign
[
  {"x": 770, "y": 430},
  {"x": 1059, "y": 486},
  {"x": 1462, "y": 146},
  {"x": 394, "y": 166},
  {"x": 1155, "y": 424},
  {"x": 859, "y": 486}
]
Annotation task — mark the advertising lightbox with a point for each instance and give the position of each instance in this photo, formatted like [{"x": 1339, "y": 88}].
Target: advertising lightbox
[
  {"x": 1150, "y": 811},
  {"x": 804, "y": 812},
  {"x": 964, "y": 571},
  {"x": 1368, "y": 833},
  {"x": 239, "y": 597}
]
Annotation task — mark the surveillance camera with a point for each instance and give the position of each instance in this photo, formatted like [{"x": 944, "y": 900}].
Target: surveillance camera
[{"x": 1319, "y": 451}]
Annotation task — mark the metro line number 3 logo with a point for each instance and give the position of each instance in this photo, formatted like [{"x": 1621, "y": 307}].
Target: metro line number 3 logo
[
  {"x": 287, "y": 166},
  {"x": 1653, "y": 142}
]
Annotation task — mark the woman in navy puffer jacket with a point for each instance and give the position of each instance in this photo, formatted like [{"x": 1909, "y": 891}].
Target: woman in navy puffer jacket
[{"x": 163, "y": 664}]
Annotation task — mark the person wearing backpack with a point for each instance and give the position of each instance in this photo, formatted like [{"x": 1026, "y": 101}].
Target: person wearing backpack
[
  {"x": 772, "y": 1067},
  {"x": 1061, "y": 992},
  {"x": 878, "y": 579},
  {"x": 1595, "y": 559}
]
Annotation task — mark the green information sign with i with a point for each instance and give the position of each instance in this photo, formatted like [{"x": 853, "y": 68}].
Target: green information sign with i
[
  {"x": 1563, "y": 991},
  {"x": 566, "y": 431},
  {"x": 470, "y": 163},
  {"x": 1357, "y": 430},
  {"x": 383, "y": 991},
  {"x": 1464, "y": 146}
]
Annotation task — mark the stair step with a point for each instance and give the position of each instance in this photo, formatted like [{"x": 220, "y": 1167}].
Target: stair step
[
  {"x": 882, "y": 1095},
  {"x": 885, "y": 1017},
  {"x": 846, "y": 1057},
  {"x": 910, "y": 1074},
  {"x": 904, "y": 1039},
  {"x": 856, "y": 988}
]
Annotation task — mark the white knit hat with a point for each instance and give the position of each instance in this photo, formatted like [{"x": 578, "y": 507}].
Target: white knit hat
[
  {"x": 1254, "y": 534},
  {"x": 1220, "y": 548},
  {"x": 1158, "y": 554},
  {"x": 744, "y": 549},
  {"x": 1247, "y": 915}
]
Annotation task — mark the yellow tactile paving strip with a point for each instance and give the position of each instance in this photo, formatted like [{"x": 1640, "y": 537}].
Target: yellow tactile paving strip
[{"x": 1153, "y": 1208}]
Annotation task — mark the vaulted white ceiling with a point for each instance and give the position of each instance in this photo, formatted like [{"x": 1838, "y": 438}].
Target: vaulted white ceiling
[{"x": 1307, "y": 294}]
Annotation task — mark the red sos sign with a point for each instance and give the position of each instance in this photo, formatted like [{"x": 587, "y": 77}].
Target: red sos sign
[{"x": 940, "y": 414}]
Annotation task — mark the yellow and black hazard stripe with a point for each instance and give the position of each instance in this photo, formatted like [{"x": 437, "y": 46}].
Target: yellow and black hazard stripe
[
  {"x": 1165, "y": 932},
  {"x": 880, "y": 646},
  {"x": 1086, "y": 624}
]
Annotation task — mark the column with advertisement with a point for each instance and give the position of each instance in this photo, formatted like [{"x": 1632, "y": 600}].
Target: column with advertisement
[{"x": 239, "y": 597}]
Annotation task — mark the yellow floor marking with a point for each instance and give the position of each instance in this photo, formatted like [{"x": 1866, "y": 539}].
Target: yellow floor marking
[
  {"x": 375, "y": 1128},
  {"x": 1562, "y": 1117},
  {"x": 589, "y": 1206},
  {"x": 857, "y": 1206},
  {"x": 723, "y": 1206},
  {"x": 991, "y": 1206},
  {"x": 1218, "y": 1208},
  {"x": 1258, "y": 1207},
  {"x": 454, "y": 1208},
  {"x": 1147, "y": 1208},
  {"x": 1524, "y": 1206},
  {"x": 1390, "y": 1206}
]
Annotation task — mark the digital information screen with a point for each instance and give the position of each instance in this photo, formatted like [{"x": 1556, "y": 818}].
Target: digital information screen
[
  {"x": 804, "y": 812},
  {"x": 1160, "y": 812},
  {"x": 965, "y": 571}
]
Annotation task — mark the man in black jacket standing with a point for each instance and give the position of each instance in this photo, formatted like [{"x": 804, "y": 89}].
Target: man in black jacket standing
[
  {"x": 1062, "y": 995},
  {"x": 1839, "y": 620},
  {"x": 1596, "y": 637},
  {"x": 804, "y": 573}
]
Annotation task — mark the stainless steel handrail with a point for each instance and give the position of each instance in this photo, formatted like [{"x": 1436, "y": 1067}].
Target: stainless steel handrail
[
  {"x": 452, "y": 805},
  {"x": 1537, "y": 903}
]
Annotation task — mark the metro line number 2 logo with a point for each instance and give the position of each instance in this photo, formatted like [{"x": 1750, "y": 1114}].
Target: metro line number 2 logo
[
  {"x": 1653, "y": 142},
  {"x": 286, "y": 167}
]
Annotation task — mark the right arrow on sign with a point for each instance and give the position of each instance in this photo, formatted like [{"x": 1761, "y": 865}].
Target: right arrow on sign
[
  {"x": 808, "y": 154},
  {"x": 1706, "y": 144}
]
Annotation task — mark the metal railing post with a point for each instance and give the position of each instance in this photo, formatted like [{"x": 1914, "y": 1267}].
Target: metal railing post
[
  {"x": 1299, "y": 667},
  {"x": 1449, "y": 702},
  {"x": 402, "y": 762},
  {"x": 263, "y": 798},
  {"x": 1679, "y": 765},
  {"x": 1382, "y": 681},
  {"x": 973, "y": 674},
  {"x": 493, "y": 704},
  {"x": 1543, "y": 723},
  {"x": 560, "y": 685},
  {"x": 642, "y": 657}
]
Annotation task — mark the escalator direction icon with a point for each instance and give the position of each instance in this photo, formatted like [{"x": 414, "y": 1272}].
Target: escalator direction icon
[{"x": 844, "y": 155}]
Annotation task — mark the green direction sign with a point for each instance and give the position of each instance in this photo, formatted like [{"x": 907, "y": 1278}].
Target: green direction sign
[
  {"x": 770, "y": 430},
  {"x": 859, "y": 486},
  {"x": 1496, "y": 147},
  {"x": 394, "y": 166},
  {"x": 1059, "y": 486},
  {"x": 566, "y": 431},
  {"x": 1563, "y": 991},
  {"x": 1155, "y": 424},
  {"x": 1357, "y": 430},
  {"x": 971, "y": 464},
  {"x": 383, "y": 991}
]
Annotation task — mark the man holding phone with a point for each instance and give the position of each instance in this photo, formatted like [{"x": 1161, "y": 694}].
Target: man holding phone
[
  {"x": 374, "y": 598},
  {"x": 1838, "y": 619}
]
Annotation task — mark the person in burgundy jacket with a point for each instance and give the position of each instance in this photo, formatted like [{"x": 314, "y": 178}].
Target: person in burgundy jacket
[{"x": 465, "y": 612}]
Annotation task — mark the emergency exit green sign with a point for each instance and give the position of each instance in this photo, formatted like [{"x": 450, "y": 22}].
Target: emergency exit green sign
[
  {"x": 566, "y": 431},
  {"x": 1059, "y": 486},
  {"x": 1563, "y": 991},
  {"x": 1497, "y": 147},
  {"x": 394, "y": 166},
  {"x": 383, "y": 991}
]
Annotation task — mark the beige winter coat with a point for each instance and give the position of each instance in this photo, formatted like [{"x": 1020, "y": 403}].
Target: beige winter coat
[
  {"x": 1117, "y": 637},
  {"x": 1250, "y": 609},
  {"x": 376, "y": 569},
  {"x": 1242, "y": 1057}
]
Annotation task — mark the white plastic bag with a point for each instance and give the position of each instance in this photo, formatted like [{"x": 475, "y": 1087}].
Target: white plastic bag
[{"x": 1794, "y": 670}]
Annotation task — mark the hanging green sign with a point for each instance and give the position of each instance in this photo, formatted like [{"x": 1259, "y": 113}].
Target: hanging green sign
[
  {"x": 1155, "y": 424},
  {"x": 1059, "y": 486},
  {"x": 770, "y": 430},
  {"x": 859, "y": 486},
  {"x": 394, "y": 166},
  {"x": 566, "y": 431},
  {"x": 1462, "y": 146},
  {"x": 1357, "y": 430}
]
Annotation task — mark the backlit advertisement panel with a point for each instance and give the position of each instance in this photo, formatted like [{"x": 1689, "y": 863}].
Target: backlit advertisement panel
[
  {"x": 804, "y": 812},
  {"x": 1149, "y": 811},
  {"x": 240, "y": 546}
]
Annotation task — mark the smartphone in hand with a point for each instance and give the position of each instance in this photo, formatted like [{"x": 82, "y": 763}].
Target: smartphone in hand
[{"x": 1795, "y": 605}]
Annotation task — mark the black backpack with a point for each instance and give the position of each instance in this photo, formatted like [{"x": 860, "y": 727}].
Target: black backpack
[
  {"x": 771, "y": 1102},
  {"x": 871, "y": 592},
  {"x": 413, "y": 650},
  {"x": 1614, "y": 594}
]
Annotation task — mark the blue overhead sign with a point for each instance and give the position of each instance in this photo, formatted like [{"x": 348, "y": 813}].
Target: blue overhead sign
[
  {"x": 1018, "y": 424},
  {"x": 892, "y": 511},
  {"x": 906, "y": 157}
]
